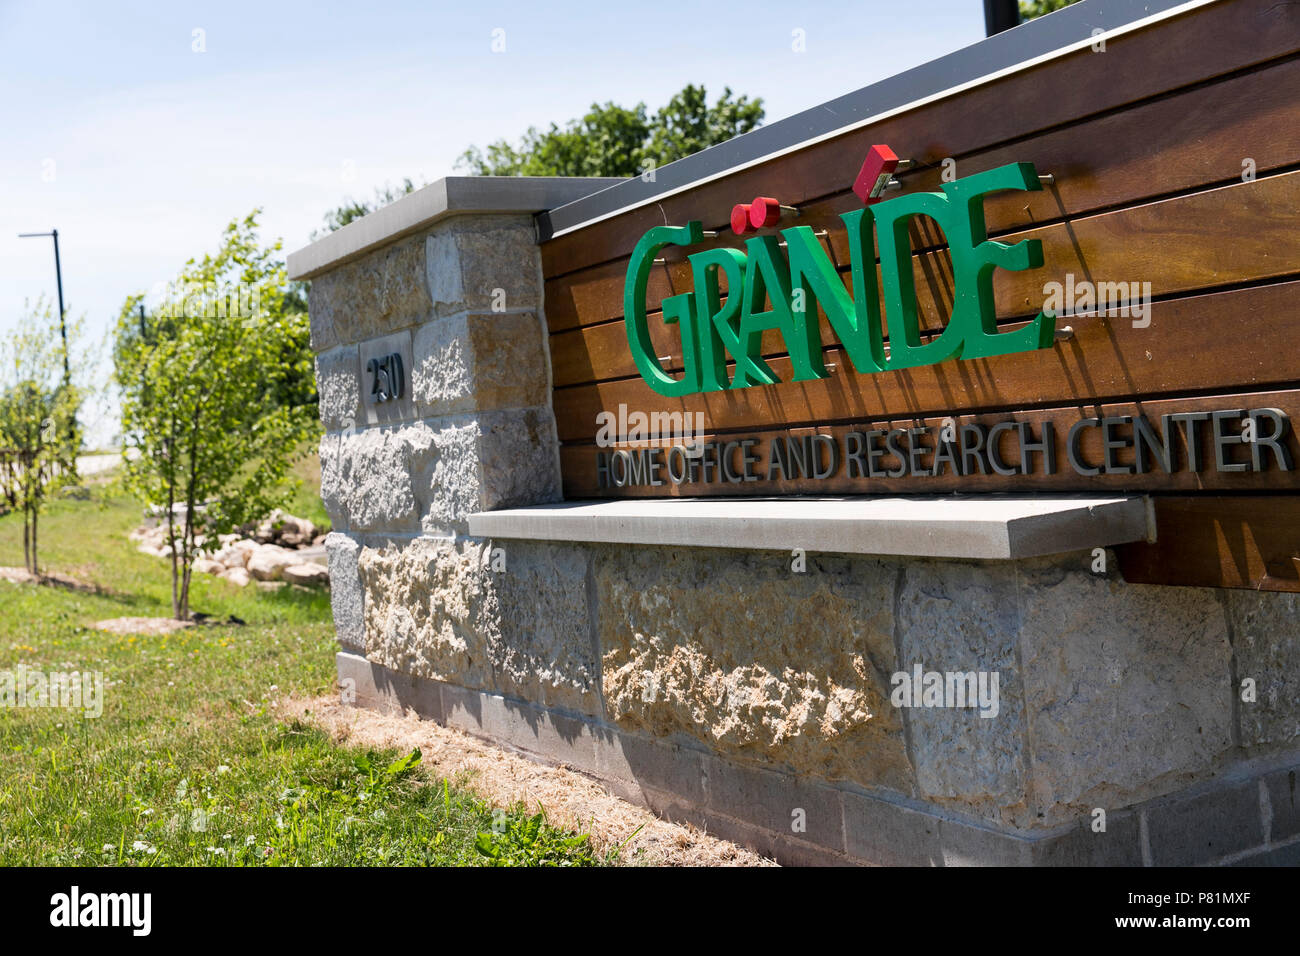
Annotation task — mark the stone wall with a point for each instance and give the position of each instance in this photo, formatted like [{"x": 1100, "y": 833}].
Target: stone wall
[{"x": 723, "y": 686}]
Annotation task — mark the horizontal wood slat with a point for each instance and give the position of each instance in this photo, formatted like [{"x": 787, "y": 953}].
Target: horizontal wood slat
[
  {"x": 1115, "y": 160},
  {"x": 1222, "y": 236},
  {"x": 1197, "y": 46},
  {"x": 1225, "y": 341},
  {"x": 578, "y": 462},
  {"x": 1231, "y": 542}
]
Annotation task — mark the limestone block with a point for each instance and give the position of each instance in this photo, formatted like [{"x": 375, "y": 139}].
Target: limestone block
[
  {"x": 960, "y": 617},
  {"x": 545, "y": 651},
  {"x": 514, "y": 621},
  {"x": 366, "y": 482},
  {"x": 480, "y": 361},
  {"x": 430, "y": 609},
  {"x": 449, "y": 477},
  {"x": 346, "y": 597},
  {"x": 379, "y": 293},
  {"x": 1265, "y": 629},
  {"x": 338, "y": 383},
  {"x": 483, "y": 264},
  {"x": 486, "y": 461},
  {"x": 754, "y": 659},
  {"x": 517, "y": 449},
  {"x": 1127, "y": 686}
]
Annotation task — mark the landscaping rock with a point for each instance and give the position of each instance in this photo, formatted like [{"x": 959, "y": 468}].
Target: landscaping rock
[
  {"x": 305, "y": 574},
  {"x": 268, "y": 562},
  {"x": 237, "y": 576}
]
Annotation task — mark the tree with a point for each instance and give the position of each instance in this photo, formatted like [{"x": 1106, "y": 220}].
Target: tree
[
  {"x": 352, "y": 209},
  {"x": 1032, "y": 9},
  {"x": 212, "y": 391},
  {"x": 612, "y": 140},
  {"x": 39, "y": 434}
]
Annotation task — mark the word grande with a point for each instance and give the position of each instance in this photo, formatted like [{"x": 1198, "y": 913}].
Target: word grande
[{"x": 713, "y": 330}]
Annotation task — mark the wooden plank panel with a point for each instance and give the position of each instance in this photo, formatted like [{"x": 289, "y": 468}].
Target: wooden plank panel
[
  {"x": 1239, "y": 233},
  {"x": 1220, "y": 542},
  {"x": 1205, "y": 43},
  {"x": 1169, "y": 145},
  {"x": 578, "y": 462},
  {"x": 1224, "y": 341}
]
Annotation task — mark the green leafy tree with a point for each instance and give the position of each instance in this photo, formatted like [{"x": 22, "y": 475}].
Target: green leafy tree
[
  {"x": 688, "y": 124},
  {"x": 612, "y": 140},
  {"x": 214, "y": 405},
  {"x": 1032, "y": 9},
  {"x": 39, "y": 434},
  {"x": 352, "y": 209}
]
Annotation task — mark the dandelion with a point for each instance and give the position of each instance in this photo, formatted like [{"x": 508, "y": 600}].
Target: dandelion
[{"x": 223, "y": 769}]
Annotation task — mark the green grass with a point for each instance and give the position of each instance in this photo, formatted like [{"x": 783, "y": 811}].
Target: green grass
[{"x": 188, "y": 763}]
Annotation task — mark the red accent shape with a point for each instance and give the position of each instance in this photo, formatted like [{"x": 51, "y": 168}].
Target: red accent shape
[
  {"x": 740, "y": 219},
  {"x": 874, "y": 175},
  {"x": 764, "y": 211}
]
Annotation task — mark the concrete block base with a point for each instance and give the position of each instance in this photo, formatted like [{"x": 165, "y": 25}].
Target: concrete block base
[{"x": 801, "y": 821}]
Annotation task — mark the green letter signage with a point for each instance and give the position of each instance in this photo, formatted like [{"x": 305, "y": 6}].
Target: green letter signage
[{"x": 766, "y": 291}]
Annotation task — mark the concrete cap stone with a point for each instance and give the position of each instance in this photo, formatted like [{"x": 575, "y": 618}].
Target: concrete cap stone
[
  {"x": 451, "y": 196},
  {"x": 985, "y": 527}
]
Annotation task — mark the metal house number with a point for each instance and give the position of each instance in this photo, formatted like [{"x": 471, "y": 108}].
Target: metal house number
[{"x": 387, "y": 378}]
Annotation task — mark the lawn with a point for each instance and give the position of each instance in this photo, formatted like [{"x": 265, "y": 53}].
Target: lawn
[{"x": 188, "y": 764}]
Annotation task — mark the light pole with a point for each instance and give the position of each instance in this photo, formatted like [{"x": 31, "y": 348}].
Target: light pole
[
  {"x": 1000, "y": 15},
  {"x": 71, "y": 463},
  {"x": 58, "y": 278}
]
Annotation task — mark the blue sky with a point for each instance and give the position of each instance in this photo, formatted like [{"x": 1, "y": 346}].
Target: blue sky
[{"x": 139, "y": 149}]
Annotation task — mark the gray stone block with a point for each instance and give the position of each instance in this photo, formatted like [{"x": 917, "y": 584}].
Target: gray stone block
[
  {"x": 517, "y": 452},
  {"x": 777, "y": 802},
  {"x": 483, "y": 264},
  {"x": 367, "y": 481},
  {"x": 338, "y": 382},
  {"x": 448, "y": 472},
  {"x": 967, "y": 845},
  {"x": 346, "y": 596},
  {"x": 550, "y": 737},
  {"x": 545, "y": 649},
  {"x": 882, "y": 833},
  {"x": 1288, "y": 855},
  {"x": 1207, "y": 827},
  {"x": 1283, "y": 804},
  {"x": 1266, "y": 641},
  {"x": 430, "y": 610},
  {"x": 331, "y": 474},
  {"x": 1119, "y": 845},
  {"x": 645, "y": 764},
  {"x": 960, "y": 617},
  {"x": 479, "y": 462},
  {"x": 471, "y": 362},
  {"x": 1125, "y": 686},
  {"x": 374, "y": 687}
]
